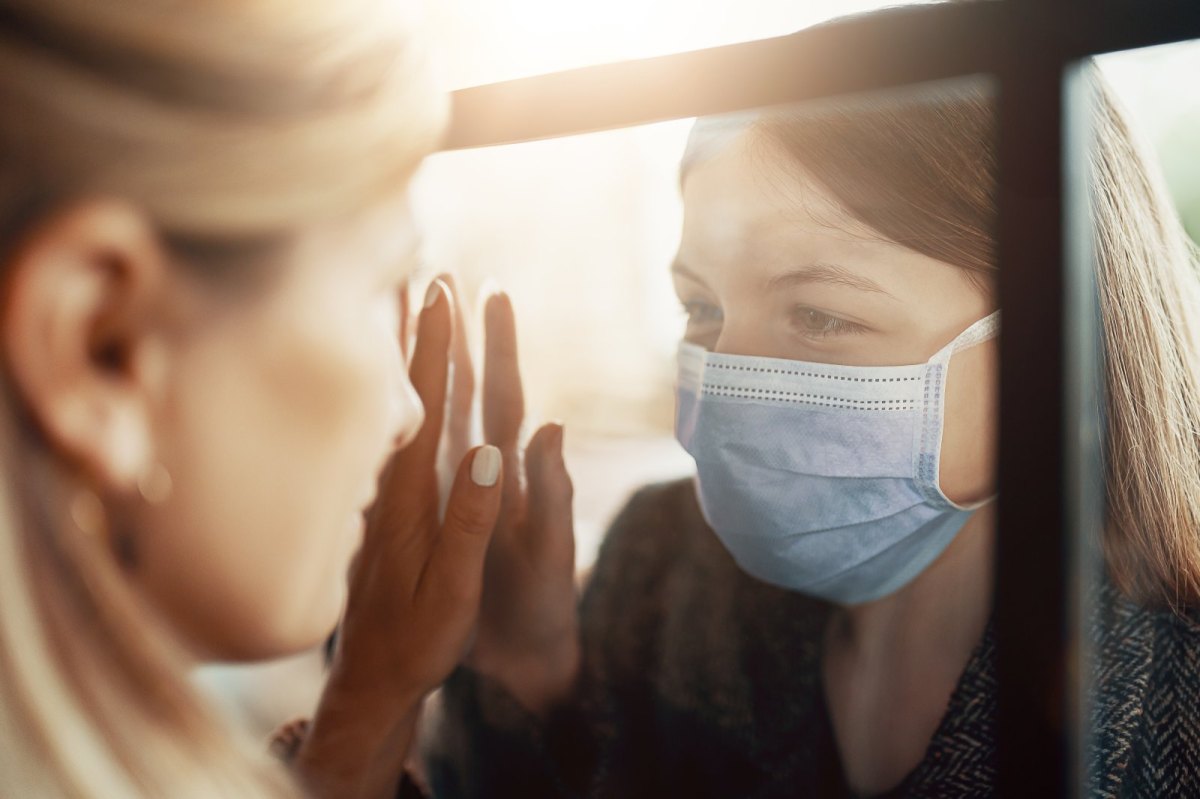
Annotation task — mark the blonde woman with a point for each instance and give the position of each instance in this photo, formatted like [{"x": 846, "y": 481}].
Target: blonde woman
[
  {"x": 203, "y": 235},
  {"x": 810, "y": 616}
]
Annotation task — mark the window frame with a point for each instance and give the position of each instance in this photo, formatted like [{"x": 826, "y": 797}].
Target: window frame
[{"x": 1051, "y": 499}]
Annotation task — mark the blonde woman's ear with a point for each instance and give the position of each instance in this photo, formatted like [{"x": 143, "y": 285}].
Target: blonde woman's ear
[{"x": 77, "y": 329}]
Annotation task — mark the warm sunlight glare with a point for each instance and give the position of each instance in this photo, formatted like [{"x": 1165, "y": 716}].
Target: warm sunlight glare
[{"x": 495, "y": 40}]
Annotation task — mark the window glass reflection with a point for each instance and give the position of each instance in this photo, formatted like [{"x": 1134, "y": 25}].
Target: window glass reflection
[
  {"x": 772, "y": 339},
  {"x": 834, "y": 384},
  {"x": 812, "y": 605}
]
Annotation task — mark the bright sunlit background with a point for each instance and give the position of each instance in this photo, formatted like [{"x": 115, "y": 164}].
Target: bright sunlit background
[
  {"x": 581, "y": 232},
  {"x": 493, "y": 40}
]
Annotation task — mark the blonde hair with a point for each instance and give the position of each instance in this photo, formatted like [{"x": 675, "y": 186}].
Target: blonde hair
[
  {"x": 234, "y": 125},
  {"x": 921, "y": 171},
  {"x": 1149, "y": 300}
]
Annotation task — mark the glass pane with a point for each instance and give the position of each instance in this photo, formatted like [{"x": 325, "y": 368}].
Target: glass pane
[
  {"x": 741, "y": 322},
  {"x": 792, "y": 310},
  {"x": 811, "y": 605}
]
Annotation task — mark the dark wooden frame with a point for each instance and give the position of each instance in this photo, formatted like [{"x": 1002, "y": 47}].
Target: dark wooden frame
[{"x": 1051, "y": 494}]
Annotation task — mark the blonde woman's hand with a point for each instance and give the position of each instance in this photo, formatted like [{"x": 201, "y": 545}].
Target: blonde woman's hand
[
  {"x": 414, "y": 592},
  {"x": 528, "y": 636}
]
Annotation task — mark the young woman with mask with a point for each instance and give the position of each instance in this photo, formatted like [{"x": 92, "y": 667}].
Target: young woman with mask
[
  {"x": 203, "y": 236},
  {"x": 810, "y": 615}
]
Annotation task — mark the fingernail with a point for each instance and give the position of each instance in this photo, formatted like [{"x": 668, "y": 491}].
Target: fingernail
[
  {"x": 433, "y": 292},
  {"x": 485, "y": 467}
]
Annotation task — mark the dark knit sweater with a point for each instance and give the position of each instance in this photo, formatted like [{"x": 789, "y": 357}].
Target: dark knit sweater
[{"x": 701, "y": 681}]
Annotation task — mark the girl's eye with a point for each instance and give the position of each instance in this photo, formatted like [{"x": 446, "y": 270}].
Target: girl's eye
[
  {"x": 815, "y": 324},
  {"x": 702, "y": 313}
]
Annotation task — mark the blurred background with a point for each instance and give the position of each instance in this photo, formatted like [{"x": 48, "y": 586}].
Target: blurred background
[{"x": 581, "y": 232}]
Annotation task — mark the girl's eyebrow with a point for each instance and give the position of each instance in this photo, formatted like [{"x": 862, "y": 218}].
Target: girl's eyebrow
[{"x": 821, "y": 272}]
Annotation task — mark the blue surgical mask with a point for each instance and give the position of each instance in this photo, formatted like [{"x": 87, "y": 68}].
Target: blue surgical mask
[{"x": 818, "y": 477}]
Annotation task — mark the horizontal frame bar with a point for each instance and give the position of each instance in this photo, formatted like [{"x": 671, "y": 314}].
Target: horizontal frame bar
[{"x": 887, "y": 49}]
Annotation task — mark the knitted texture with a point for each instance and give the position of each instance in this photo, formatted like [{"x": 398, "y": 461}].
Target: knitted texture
[{"x": 700, "y": 681}]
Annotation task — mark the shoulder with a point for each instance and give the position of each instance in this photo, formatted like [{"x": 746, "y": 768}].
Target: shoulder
[
  {"x": 671, "y": 505},
  {"x": 1176, "y": 667},
  {"x": 660, "y": 536},
  {"x": 644, "y": 543},
  {"x": 1147, "y": 695},
  {"x": 1155, "y": 643},
  {"x": 664, "y": 582},
  {"x": 653, "y": 526},
  {"x": 658, "y": 560}
]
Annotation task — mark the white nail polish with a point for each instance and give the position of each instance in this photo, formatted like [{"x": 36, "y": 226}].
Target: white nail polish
[
  {"x": 432, "y": 294},
  {"x": 485, "y": 467}
]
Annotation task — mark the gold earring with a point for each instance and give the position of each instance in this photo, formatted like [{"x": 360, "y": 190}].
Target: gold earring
[
  {"x": 87, "y": 511},
  {"x": 155, "y": 485}
]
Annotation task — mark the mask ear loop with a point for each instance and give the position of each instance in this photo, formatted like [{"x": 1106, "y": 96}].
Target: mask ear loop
[
  {"x": 928, "y": 452},
  {"x": 977, "y": 333}
]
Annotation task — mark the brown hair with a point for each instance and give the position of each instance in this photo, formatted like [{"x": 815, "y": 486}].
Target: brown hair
[
  {"x": 921, "y": 171},
  {"x": 233, "y": 125}
]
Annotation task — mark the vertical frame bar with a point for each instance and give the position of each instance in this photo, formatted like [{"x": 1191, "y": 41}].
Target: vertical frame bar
[
  {"x": 1050, "y": 472},
  {"x": 1032, "y": 624}
]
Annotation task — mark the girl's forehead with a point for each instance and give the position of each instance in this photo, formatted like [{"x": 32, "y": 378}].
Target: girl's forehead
[
  {"x": 748, "y": 215},
  {"x": 752, "y": 191}
]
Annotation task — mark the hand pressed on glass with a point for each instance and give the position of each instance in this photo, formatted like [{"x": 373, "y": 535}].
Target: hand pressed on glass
[
  {"x": 414, "y": 589},
  {"x": 528, "y": 627},
  {"x": 527, "y": 638}
]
